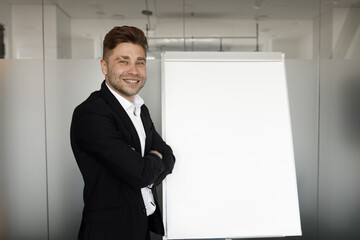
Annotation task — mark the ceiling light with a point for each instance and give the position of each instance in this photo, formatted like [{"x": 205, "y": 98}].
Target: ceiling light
[{"x": 118, "y": 16}]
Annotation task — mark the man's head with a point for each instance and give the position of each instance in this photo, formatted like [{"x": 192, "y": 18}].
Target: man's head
[
  {"x": 124, "y": 60},
  {"x": 123, "y": 34}
]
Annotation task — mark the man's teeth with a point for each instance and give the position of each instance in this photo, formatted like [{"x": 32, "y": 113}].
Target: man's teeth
[{"x": 131, "y": 81}]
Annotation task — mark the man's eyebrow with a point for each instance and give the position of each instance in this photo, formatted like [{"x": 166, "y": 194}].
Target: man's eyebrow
[
  {"x": 122, "y": 57},
  {"x": 127, "y": 57}
]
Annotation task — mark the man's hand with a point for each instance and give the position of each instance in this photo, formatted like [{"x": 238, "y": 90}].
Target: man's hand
[
  {"x": 151, "y": 151},
  {"x": 157, "y": 153}
]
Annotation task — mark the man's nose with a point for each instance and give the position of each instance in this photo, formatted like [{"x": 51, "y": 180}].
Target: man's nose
[{"x": 133, "y": 69}]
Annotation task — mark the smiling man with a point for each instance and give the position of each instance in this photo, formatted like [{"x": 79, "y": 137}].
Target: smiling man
[{"x": 120, "y": 155}]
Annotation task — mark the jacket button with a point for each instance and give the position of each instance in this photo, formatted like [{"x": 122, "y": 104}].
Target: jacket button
[{"x": 144, "y": 210}]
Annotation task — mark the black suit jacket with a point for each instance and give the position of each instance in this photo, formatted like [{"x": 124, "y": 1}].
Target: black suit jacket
[{"x": 102, "y": 138}]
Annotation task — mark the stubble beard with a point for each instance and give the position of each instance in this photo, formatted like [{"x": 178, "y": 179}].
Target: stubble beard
[{"x": 120, "y": 87}]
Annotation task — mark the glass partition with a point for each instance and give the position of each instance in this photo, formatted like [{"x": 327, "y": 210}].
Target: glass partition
[
  {"x": 23, "y": 176},
  {"x": 339, "y": 181}
]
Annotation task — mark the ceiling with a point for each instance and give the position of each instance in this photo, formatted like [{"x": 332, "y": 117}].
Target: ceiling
[
  {"x": 278, "y": 19},
  {"x": 243, "y": 9}
]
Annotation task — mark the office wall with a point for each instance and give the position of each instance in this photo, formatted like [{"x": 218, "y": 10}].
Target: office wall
[
  {"x": 23, "y": 175},
  {"x": 339, "y": 178}
]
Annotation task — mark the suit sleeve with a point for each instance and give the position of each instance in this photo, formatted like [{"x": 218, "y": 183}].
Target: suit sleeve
[
  {"x": 160, "y": 145},
  {"x": 168, "y": 157},
  {"x": 96, "y": 133}
]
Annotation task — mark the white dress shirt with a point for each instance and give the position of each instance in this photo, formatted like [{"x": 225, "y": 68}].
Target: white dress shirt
[{"x": 133, "y": 110}]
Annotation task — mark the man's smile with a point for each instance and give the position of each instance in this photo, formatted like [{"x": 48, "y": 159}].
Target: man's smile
[{"x": 131, "y": 82}]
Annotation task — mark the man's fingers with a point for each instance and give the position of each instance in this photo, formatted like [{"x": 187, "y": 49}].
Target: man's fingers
[{"x": 157, "y": 153}]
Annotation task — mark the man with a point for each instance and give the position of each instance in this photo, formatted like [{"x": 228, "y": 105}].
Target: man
[{"x": 120, "y": 155}]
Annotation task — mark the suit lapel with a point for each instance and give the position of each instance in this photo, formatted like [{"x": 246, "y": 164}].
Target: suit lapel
[
  {"x": 121, "y": 113},
  {"x": 147, "y": 127}
]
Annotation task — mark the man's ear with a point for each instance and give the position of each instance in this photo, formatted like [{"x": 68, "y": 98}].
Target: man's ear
[{"x": 103, "y": 66}]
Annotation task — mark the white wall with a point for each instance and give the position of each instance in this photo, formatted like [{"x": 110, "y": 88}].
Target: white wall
[{"x": 23, "y": 180}]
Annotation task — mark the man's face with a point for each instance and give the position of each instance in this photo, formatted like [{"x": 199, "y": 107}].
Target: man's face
[{"x": 125, "y": 69}]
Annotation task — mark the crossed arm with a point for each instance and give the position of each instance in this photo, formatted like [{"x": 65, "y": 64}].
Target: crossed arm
[{"x": 96, "y": 136}]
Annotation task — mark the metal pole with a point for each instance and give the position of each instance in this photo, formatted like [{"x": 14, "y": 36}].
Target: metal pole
[
  {"x": 2, "y": 44},
  {"x": 257, "y": 37}
]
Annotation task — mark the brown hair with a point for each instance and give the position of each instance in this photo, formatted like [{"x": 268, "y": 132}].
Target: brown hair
[{"x": 123, "y": 34}]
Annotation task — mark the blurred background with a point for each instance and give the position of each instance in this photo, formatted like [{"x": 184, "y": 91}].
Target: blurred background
[{"x": 50, "y": 53}]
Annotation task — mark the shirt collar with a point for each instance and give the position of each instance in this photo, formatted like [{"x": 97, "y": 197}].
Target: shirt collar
[{"x": 126, "y": 104}]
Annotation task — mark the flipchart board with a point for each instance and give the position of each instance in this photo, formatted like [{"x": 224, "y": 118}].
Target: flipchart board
[{"x": 226, "y": 116}]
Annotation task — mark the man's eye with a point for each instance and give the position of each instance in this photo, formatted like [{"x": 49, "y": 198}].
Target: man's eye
[{"x": 141, "y": 63}]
